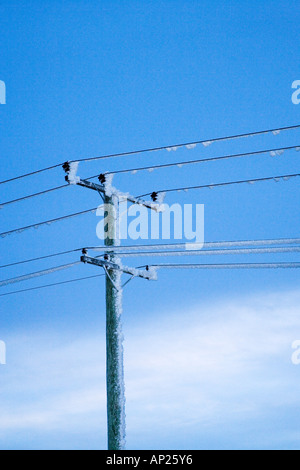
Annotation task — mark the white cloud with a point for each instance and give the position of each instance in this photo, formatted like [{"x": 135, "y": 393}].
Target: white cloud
[{"x": 196, "y": 371}]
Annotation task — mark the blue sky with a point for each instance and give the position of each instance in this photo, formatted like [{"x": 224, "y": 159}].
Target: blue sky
[{"x": 205, "y": 352}]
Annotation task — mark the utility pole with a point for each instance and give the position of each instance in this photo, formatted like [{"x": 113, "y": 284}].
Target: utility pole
[
  {"x": 113, "y": 267},
  {"x": 114, "y": 347}
]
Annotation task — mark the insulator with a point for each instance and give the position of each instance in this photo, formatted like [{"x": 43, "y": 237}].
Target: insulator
[
  {"x": 102, "y": 178},
  {"x": 66, "y": 167}
]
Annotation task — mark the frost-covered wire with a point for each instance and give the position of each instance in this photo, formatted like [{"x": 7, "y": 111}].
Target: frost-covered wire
[
  {"x": 188, "y": 145},
  {"x": 181, "y": 164},
  {"x": 45, "y": 272},
  {"x": 192, "y": 145},
  {"x": 229, "y": 266},
  {"x": 30, "y": 196},
  {"x": 52, "y": 285},
  {"x": 32, "y": 173},
  {"x": 216, "y": 252},
  {"x": 73, "y": 179},
  {"x": 48, "y": 222},
  {"x": 162, "y": 247},
  {"x": 192, "y": 246},
  {"x": 230, "y": 183},
  {"x": 40, "y": 258}
]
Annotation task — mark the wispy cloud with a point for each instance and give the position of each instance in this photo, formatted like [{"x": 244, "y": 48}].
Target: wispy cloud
[{"x": 189, "y": 375}]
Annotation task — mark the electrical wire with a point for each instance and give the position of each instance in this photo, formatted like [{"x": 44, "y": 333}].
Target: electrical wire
[
  {"x": 45, "y": 272},
  {"x": 291, "y": 265},
  {"x": 52, "y": 285},
  {"x": 48, "y": 222},
  {"x": 33, "y": 195},
  {"x": 40, "y": 258},
  {"x": 218, "y": 252},
  {"x": 230, "y": 183},
  {"x": 154, "y": 149},
  {"x": 210, "y": 186},
  {"x": 30, "y": 174},
  {"x": 205, "y": 142},
  {"x": 172, "y": 246},
  {"x": 228, "y": 266},
  {"x": 273, "y": 152},
  {"x": 192, "y": 246}
]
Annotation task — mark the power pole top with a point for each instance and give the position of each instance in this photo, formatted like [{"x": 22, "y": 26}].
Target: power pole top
[
  {"x": 148, "y": 274},
  {"x": 113, "y": 270}
]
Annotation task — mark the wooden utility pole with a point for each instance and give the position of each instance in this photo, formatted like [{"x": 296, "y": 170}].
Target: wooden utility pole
[
  {"x": 114, "y": 346},
  {"x": 113, "y": 267}
]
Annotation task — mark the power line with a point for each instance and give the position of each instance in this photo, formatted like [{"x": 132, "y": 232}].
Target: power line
[
  {"x": 33, "y": 195},
  {"x": 30, "y": 174},
  {"x": 213, "y": 185},
  {"x": 188, "y": 145},
  {"x": 192, "y": 246},
  {"x": 40, "y": 258},
  {"x": 230, "y": 183},
  {"x": 157, "y": 266},
  {"x": 48, "y": 222},
  {"x": 51, "y": 285},
  {"x": 228, "y": 266},
  {"x": 172, "y": 246},
  {"x": 273, "y": 152},
  {"x": 45, "y": 272},
  {"x": 217, "y": 252},
  {"x": 51, "y": 270}
]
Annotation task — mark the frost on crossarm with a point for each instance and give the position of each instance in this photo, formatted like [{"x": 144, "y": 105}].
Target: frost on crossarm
[{"x": 72, "y": 174}]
